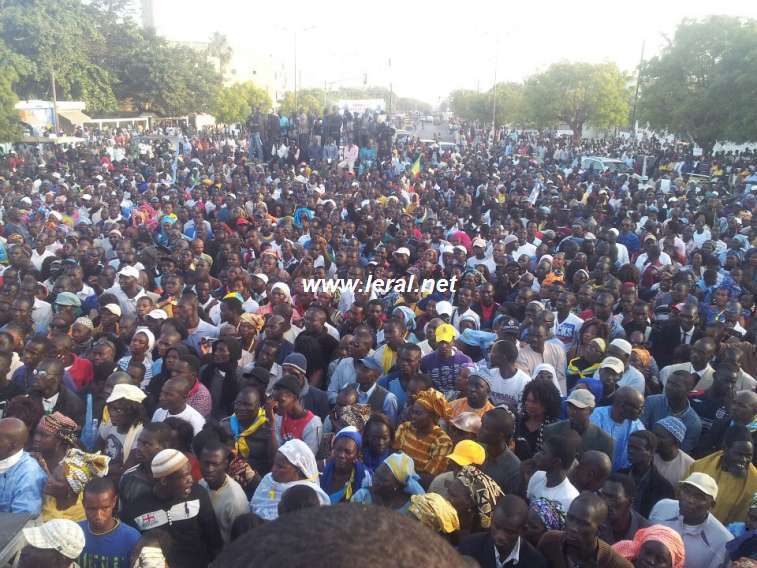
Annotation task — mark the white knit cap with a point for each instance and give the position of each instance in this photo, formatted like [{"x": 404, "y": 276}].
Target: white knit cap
[{"x": 167, "y": 462}]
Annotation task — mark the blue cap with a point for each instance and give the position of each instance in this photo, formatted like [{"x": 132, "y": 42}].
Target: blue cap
[{"x": 371, "y": 363}]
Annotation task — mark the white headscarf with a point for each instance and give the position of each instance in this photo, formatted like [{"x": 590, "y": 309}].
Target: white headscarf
[
  {"x": 299, "y": 454},
  {"x": 544, "y": 367},
  {"x": 284, "y": 288},
  {"x": 150, "y": 338}
]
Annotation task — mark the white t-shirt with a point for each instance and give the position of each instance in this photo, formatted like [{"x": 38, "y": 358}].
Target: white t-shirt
[
  {"x": 506, "y": 390},
  {"x": 189, "y": 414},
  {"x": 564, "y": 493},
  {"x": 567, "y": 330}
]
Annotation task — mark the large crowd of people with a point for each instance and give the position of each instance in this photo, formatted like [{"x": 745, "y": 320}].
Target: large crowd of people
[{"x": 176, "y": 392}]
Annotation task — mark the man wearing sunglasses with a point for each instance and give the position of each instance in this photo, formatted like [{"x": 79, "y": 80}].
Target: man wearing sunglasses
[{"x": 47, "y": 387}]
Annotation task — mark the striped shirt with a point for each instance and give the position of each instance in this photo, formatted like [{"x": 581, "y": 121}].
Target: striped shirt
[{"x": 429, "y": 453}]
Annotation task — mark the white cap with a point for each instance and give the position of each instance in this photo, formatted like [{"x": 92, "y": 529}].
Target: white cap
[
  {"x": 127, "y": 392},
  {"x": 402, "y": 250},
  {"x": 261, "y": 276},
  {"x": 158, "y": 314},
  {"x": 115, "y": 309},
  {"x": 623, "y": 345},
  {"x": 444, "y": 308},
  {"x": 479, "y": 243},
  {"x": 613, "y": 363},
  {"x": 62, "y": 535},
  {"x": 129, "y": 271}
]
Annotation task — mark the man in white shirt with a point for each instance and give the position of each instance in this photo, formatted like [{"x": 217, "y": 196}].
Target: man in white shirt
[
  {"x": 505, "y": 380},
  {"x": 552, "y": 463},
  {"x": 173, "y": 403},
  {"x": 479, "y": 256},
  {"x": 653, "y": 253},
  {"x": 128, "y": 291},
  {"x": 704, "y": 537}
]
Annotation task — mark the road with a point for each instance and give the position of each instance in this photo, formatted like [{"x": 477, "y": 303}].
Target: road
[{"x": 429, "y": 130}]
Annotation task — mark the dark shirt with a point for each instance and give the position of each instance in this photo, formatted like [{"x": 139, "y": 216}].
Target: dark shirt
[
  {"x": 481, "y": 547},
  {"x": 505, "y": 470},
  {"x": 637, "y": 522},
  {"x": 649, "y": 490},
  {"x": 317, "y": 349},
  {"x": 192, "y": 525}
]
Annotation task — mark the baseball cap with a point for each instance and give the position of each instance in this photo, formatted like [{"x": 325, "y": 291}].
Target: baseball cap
[
  {"x": 261, "y": 276},
  {"x": 115, "y": 309},
  {"x": 582, "y": 398},
  {"x": 127, "y": 392},
  {"x": 510, "y": 325},
  {"x": 509, "y": 239},
  {"x": 296, "y": 360},
  {"x": 129, "y": 271},
  {"x": 290, "y": 383},
  {"x": 371, "y": 363},
  {"x": 67, "y": 299},
  {"x": 402, "y": 250},
  {"x": 444, "y": 308},
  {"x": 446, "y": 332},
  {"x": 468, "y": 452},
  {"x": 613, "y": 363},
  {"x": 703, "y": 482},
  {"x": 479, "y": 243},
  {"x": 61, "y": 535}
]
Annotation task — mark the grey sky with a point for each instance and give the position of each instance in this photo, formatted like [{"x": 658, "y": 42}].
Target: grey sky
[{"x": 434, "y": 47}]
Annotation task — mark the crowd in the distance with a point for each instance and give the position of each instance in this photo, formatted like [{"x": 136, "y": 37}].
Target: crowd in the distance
[{"x": 585, "y": 396}]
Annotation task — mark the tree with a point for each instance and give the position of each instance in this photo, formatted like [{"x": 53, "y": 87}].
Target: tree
[
  {"x": 10, "y": 67},
  {"x": 220, "y": 49},
  {"x": 308, "y": 100},
  {"x": 470, "y": 105},
  {"x": 511, "y": 105},
  {"x": 59, "y": 36},
  {"x": 578, "y": 94},
  {"x": 702, "y": 85},
  {"x": 233, "y": 104}
]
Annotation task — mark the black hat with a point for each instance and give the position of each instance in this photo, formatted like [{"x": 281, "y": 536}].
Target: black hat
[
  {"x": 258, "y": 374},
  {"x": 290, "y": 383}
]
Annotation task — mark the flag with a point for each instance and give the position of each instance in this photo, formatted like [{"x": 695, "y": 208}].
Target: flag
[{"x": 416, "y": 169}]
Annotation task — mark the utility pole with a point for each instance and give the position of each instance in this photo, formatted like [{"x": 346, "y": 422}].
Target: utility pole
[
  {"x": 55, "y": 103},
  {"x": 494, "y": 91},
  {"x": 636, "y": 95},
  {"x": 295, "y": 71}
]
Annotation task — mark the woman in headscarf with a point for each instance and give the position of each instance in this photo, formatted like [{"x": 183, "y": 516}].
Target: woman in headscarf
[
  {"x": 407, "y": 316},
  {"x": 392, "y": 485},
  {"x": 344, "y": 473},
  {"x": 378, "y": 438},
  {"x": 658, "y": 546},
  {"x": 294, "y": 464},
  {"x": 474, "y": 495},
  {"x": 117, "y": 436},
  {"x": 54, "y": 435},
  {"x": 435, "y": 512},
  {"x": 592, "y": 328},
  {"x": 421, "y": 437},
  {"x": 543, "y": 515},
  {"x": 140, "y": 350},
  {"x": 250, "y": 325},
  {"x": 64, "y": 489},
  {"x": 587, "y": 364},
  {"x": 220, "y": 377}
]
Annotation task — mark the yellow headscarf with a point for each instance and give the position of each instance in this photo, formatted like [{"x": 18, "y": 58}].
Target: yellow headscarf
[
  {"x": 433, "y": 401},
  {"x": 435, "y": 512}
]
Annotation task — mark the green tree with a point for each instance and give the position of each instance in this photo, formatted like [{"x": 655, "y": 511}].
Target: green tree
[
  {"x": 308, "y": 100},
  {"x": 59, "y": 36},
  {"x": 471, "y": 105},
  {"x": 511, "y": 104},
  {"x": 233, "y": 104},
  {"x": 702, "y": 85},
  {"x": 10, "y": 67},
  {"x": 578, "y": 94}
]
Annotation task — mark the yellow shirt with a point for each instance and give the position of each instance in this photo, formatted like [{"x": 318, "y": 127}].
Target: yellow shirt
[{"x": 74, "y": 513}]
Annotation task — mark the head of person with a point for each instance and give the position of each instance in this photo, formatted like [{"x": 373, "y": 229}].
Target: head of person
[
  {"x": 653, "y": 547},
  {"x": 543, "y": 515},
  {"x": 618, "y": 493},
  {"x": 214, "y": 462},
  {"x": 497, "y": 427},
  {"x": 172, "y": 473},
  {"x": 54, "y": 544},
  {"x": 55, "y": 434},
  {"x": 409, "y": 360},
  {"x": 173, "y": 395},
  {"x": 628, "y": 403},
  {"x": 696, "y": 498},
  {"x": 702, "y": 352},
  {"x": 445, "y": 336},
  {"x": 297, "y": 498},
  {"x": 580, "y": 405},
  {"x": 724, "y": 381},
  {"x": 345, "y": 449},
  {"x": 294, "y": 461},
  {"x": 429, "y": 406},
  {"x": 125, "y": 406},
  {"x": 670, "y": 432},
  {"x": 154, "y": 437},
  {"x": 585, "y": 515},
  {"x": 558, "y": 453},
  {"x": 378, "y": 435},
  {"x": 743, "y": 407},
  {"x": 286, "y": 393},
  {"x": 642, "y": 446},
  {"x": 738, "y": 451},
  {"x": 541, "y": 399},
  {"x": 13, "y": 437},
  {"x": 100, "y": 501},
  {"x": 508, "y": 523},
  {"x": 591, "y": 471},
  {"x": 368, "y": 371},
  {"x": 477, "y": 391}
]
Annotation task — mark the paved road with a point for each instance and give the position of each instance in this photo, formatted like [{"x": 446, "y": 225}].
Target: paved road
[{"x": 428, "y": 131}]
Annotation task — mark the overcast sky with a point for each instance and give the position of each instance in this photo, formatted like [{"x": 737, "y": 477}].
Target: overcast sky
[{"x": 440, "y": 46}]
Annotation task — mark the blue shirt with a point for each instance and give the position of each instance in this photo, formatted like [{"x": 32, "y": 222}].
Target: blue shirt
[
  {"x": 619, "y": 432},
  {"x": 21, "y": 487},
  {"x": 656, "y": 408},
  {"x": 109, "y": 550}
]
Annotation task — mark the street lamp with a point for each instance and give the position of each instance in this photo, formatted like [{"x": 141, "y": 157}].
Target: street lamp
[{"x": 309, "y": 28}]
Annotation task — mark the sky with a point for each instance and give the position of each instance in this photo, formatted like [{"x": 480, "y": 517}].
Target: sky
[{"x": 436, "y": 47}]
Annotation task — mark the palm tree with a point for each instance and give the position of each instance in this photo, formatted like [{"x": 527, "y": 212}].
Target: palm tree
[{"x": 219, "y": 47}]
